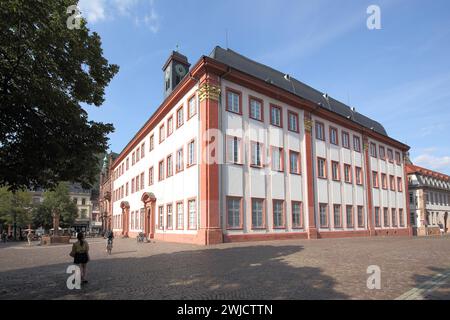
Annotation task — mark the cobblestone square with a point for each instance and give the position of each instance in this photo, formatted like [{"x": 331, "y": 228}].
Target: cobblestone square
[{"x": 411, "y": 268}]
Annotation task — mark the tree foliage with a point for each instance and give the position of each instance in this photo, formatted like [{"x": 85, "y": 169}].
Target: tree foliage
[
  {"x": 56, "y": 201},
  {"x": 15, "y": 207},
  {"x": 46, "y": 72}
]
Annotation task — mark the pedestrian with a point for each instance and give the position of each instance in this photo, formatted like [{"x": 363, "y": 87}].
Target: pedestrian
[
  {"x": 29, "y": 237},
  {"x": 4, "y": 236},
  {"x": 80, "y": 254}
]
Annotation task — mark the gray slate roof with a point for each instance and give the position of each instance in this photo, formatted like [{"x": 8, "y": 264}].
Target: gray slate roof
[{"x": 276, "y": 78}]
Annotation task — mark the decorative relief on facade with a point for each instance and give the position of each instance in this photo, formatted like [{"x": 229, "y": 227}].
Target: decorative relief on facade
[
  {"x": 208, "y": 91},
  {"x": 366, "y": 145},
  {"x": 308, "y": 124}
]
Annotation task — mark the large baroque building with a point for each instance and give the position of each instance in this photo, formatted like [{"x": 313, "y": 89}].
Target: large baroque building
[
  {"x": 429, "y": 197},
  {"x": 239, "y": 151}
]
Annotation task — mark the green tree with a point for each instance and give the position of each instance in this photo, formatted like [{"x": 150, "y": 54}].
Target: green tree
[
  {"x": 46, "y": 72},
  {"x": 58, "y": 201},
  {"x": 15, "y": 208}
]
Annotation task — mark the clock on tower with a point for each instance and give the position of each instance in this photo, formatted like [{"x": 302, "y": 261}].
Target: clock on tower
[{"x": 175, "y": 69}]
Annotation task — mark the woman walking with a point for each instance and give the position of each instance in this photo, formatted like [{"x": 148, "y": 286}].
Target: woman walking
[{"x": 80, "y": 254}]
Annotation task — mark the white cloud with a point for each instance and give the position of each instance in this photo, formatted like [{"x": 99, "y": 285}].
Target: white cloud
[
  {"x": 431, "y": 161},
  {"x": 142, "y": 12},
  {"x": 92, "y": 10}
]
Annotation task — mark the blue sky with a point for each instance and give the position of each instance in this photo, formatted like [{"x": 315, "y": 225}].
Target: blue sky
[{"x": 399, "y": 75}]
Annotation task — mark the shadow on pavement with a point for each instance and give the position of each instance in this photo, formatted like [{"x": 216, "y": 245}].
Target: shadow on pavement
[
  {"x": 230, "y": 273},
  {"x": 442, "y": 292}
]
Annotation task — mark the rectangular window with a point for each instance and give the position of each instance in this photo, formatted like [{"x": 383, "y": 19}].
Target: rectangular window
[
  {"x": 133, "y": 159},
  {"x": 256, "y": 109},
  {"x": 138, "y": 154},
  {"x": 180, "y": 215},
  {"x": 257, "y": 213},
  {"x": 390, "y": 155},
  {"x": 349, "y": 216},
  {"x": 373, "y": 149},
  {"x": 399, "y": 184},
  {"x": 334, "y": 136},
  {"x": 128, "y": 163},
  {"x": 383, "y": 181},
  {"x": 398, "y": 158},
  {"x": 132, "y": 186},
  {"x": 358, "y": 176},
  {"x": 292, "y": 121},
  {"x": 337, "y": 216},
  {"x": 360, "y": 215},
  {"x": 233, "y": 101},
  {"x": 294, "y": 162},
  {"x": 169, "y": 217},
  {"x": 169, "y": 126},
  {"x": 346, "y": 140},
  {"x": 150, "y": 176},
  {"x": 348, "y": 173},
  {"x": 392, "y": 182},
  {"x": 377, "y": 217},
  {"x": 297, "y": 214},
  {"x": 321, "y": 168},
  {"x": 275, "y": 116},
  {"x": 137, "y": 183},
  {"x": 356, "y": 144},
  {"x": 161, "y": 133},
  {"x": 323, "y": 215},
  {"x": 234, "y": 213},
  {"x": 386, "y": 217},
  {"x": 142, "y": 181},
  {"x": 192, "y": 214},
  {"x": 192, "y": 107},
  {"x": 277, "y": 158},
  {"x": 152, "y": 142},
  {"x": 161, "y": 217},
  {"x": 126, "y": 189},
  {"x": 335, "y": 171},
  {"x": 256, "y": 154},
  {"x": 233, "y": 150},
  {"x": 278, "y": 214},
  {"x": 382, "y": 153},
  {"x": 180, "y": 117},
  {"x": 191, "y": 159},
  {"x": 180, "y": 161},
  {"x": 142, "y": 150},
  {"x": 394, "y": 217},
  {"x": 402, "y": 218},
  {"x": 169, "y": 165},
  {"x": 320, "y": 131},
  {"x": 161, "y": 170}
]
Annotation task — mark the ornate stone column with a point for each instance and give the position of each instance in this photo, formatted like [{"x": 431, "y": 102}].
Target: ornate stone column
[
  {"x": 56, "y": 217},
  {"x": 312, "y": 227},
  {"x": 368, "y": 186},
  {"x": 208, "y": 94}
]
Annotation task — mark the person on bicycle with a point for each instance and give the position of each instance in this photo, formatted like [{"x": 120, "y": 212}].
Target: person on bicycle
[{"x": 110, "y": 241}]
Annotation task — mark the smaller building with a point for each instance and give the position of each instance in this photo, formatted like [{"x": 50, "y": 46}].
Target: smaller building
[
  {"x": 429, "y": 197},
  {"x": 104, "y": 199}
]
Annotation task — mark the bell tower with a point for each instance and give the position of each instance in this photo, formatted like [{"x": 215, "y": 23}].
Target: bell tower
[{"x": 175, "y": 69}]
